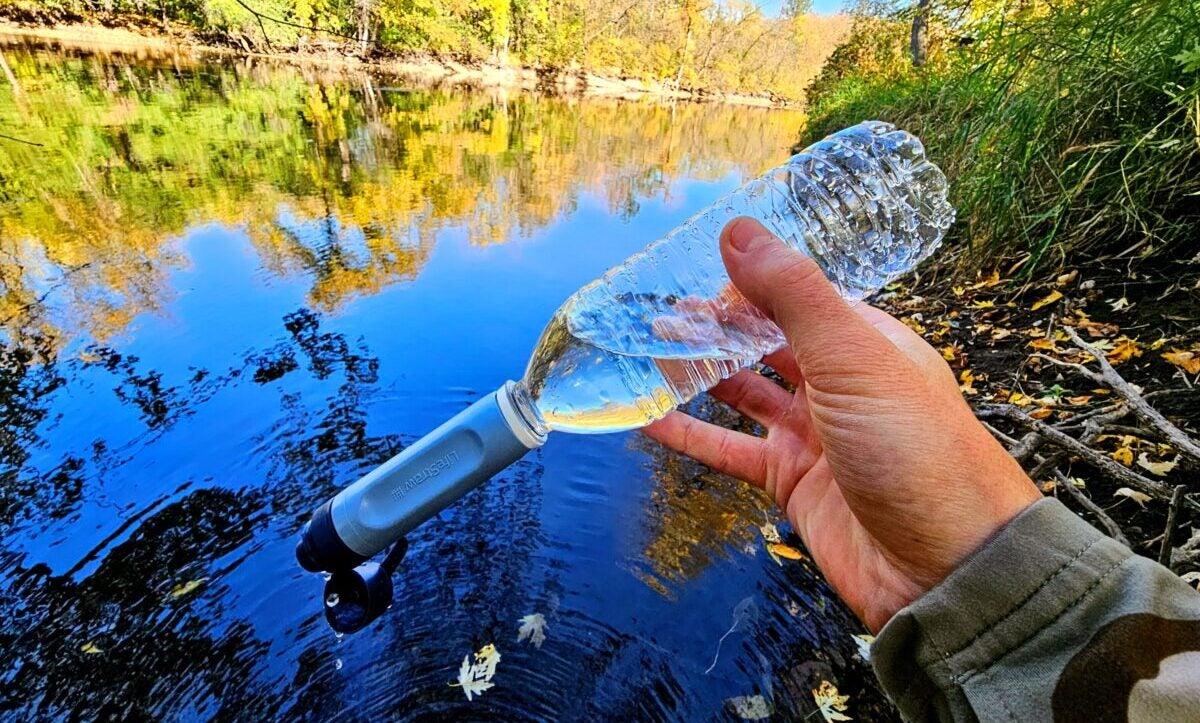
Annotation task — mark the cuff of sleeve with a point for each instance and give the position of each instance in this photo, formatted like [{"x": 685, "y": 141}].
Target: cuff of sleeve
[{"x": 1017, "y": 583}]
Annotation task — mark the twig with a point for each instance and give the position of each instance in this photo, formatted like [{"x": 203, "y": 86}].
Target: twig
[
  {"x": 1164, "y": 552},
  {"x": 1175, "y": 436},
  {"x": 1100, "y": 461},
  {"x": 1110, "y": 526},
  {"x": 21, "y": 140}
]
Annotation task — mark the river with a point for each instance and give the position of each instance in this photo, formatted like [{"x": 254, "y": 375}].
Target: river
[{"x": 231, "y": 287}]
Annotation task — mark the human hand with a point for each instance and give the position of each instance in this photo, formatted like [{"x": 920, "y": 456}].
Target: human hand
[{"x": 877, "y": 461}]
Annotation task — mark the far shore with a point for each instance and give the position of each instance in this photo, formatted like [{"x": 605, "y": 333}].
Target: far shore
[{"x": 424, "y": 69}]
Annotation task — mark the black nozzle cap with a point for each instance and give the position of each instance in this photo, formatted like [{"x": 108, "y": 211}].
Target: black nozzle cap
[{"x": 320, "y": 549}]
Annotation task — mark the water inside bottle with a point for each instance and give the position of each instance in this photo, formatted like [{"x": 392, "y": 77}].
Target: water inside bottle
[{"x": 577, "y": 386}]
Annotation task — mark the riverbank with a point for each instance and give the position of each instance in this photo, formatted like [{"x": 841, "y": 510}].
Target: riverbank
[{"x": 425, "y": 69}]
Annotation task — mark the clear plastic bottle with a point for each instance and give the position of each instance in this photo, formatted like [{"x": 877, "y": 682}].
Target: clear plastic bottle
[
  {"x": 652, "y": 333},
  {"x": 625, "y": 350}
]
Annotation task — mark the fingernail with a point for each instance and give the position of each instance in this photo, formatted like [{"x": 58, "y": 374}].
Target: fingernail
[{"x": 743, "y": 235}]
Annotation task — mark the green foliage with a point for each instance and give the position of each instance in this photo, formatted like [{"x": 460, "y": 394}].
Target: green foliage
[{"x": 1062, "y": 126}]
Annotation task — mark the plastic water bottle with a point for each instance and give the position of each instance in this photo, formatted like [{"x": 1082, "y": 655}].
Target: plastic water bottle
[{"x": 623, "y": 351}]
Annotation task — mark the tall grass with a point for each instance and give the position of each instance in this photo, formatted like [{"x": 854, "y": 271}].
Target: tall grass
[{"x": 1065, "y": 126}]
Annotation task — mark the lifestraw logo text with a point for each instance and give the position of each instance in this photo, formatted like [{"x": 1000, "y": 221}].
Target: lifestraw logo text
[{"x": 428, "y": 472}]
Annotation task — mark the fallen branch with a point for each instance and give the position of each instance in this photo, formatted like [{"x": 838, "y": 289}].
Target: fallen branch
[
  {"x": 1100, "y": 461},
  {"x": 1110, "y": 526},
  {"x": 1175, "y": 436},
  {"x": 1164, "y": 552}
]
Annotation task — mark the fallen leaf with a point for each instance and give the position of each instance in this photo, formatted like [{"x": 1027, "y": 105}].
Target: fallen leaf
[
  {"x": 967, "y": 380},
  {"x": 999, "y": 333},
  {"x": 1052, "y": 297},
  {"x": 989, "y": 304},
  {"x": 1044, "y": 344},
  {"x": 1082, "y": 399},
  {"x": 864, "y": 646},
  {"x": 950, "y": 352},
  {"x": 787, "y": 551},
  {"x": 770, "y": 533},
  {"x": 958, "y": 290},
  {"x": 1156, "y": 468},
  {"x": 1016, "y": 398},
  {"x": 1119, "y": 304},
  {"x": 1067, "y": 278},
  {"x": 187, "y": 587},
  {"x": 1139, "y": 497},
  {"x": 91, "y": 648},
  {"x": 992, "y": 280},
  {"x": 750, "y": 707},
  {"x": 830, "y": 703},
  {"x": 1124, "y": 350},
  {"x": 1158, "y": 343},
  {"x": 475, "y": 677},
  {"x": 1189, "y": 361},
  {"x": 534, "y": 628},
  {"x": 1124, "y": 455},
  {"x": 1042, "y": 413},
  {"x": 913, "y": 324}
]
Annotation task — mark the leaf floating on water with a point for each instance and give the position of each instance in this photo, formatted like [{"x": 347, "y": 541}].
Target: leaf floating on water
[
  {"x": 830, "y": 703},
  {"x": 750, "y": 707},
  {"x": 864, "y": 646},
  {"x": 476, "y": 677},
  {"x": 187, "y": 587},
  {"x": 1156, "y": 468},
  {"x": 745, "y": 614},
  {"x": 534, "y": 628},
  {"x": 1139, "y": 497},
  {"x": 782, "y": 550},
  {"x": 91, "y": 648}
]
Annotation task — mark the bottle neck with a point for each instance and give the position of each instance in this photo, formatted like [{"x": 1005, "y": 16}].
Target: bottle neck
[{"x": 521, "y": 414}]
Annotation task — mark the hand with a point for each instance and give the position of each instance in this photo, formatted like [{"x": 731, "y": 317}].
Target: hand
[{"x": 878, "y": 462}]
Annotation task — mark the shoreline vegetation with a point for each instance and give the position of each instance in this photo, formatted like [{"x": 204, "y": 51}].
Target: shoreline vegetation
[{"x": 729, "y": 53}]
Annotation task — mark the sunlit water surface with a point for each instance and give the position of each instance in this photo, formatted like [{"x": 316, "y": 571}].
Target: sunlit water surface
[{"x": 230, "y": 289}]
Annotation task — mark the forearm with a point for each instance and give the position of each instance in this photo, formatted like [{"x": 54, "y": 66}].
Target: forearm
[{"x": 1050, "y": 620}]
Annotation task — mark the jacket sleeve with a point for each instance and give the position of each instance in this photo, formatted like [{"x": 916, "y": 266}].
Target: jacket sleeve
[{"x": 1048, "y": 621}]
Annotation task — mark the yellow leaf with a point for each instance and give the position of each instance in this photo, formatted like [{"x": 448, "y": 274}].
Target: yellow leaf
[
  {"x": 1067, "y": 278},
  {"x": 1050, "y": 299},
  {"x": 958, "y": 290},
  {"x": 913, "y": 324},
  {"x": 1044, "y": 344},
  {"x": 1189, "y": 361},
  {"x": 1124, "y": 455},
  {"x": 1156, "y": 468},
  {"x": 91, "y": 648},
  {"x": 1041, "y": 413},
  {"x": 187, "y": 587},
  {"x": 949, "y": 352},
  {"x": 989, "y": 304},
  {"x": 990, "y": 281},
  {"x": 830, "y": 703},
  {"x": 1016, "y": 398},
  {"x": 787, "y": 551},
  {"x": 1158, "y": 343},
  {"x": 968, "y": 381},
  {"x": 1139, "y": 497},
  {"x": 1124, "y": 350},
  {"x": 998, "y": 334}
]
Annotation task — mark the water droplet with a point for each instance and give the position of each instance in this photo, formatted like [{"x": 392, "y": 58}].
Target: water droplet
[
  {"x": 337, "y": 664},
  {"x": 332, "y": 600}
]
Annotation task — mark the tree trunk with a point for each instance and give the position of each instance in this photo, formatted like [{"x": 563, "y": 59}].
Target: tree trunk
[{"x": 919, "y": 42}]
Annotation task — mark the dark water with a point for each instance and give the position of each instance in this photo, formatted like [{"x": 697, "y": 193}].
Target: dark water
[{"x": 230, "y": 289}]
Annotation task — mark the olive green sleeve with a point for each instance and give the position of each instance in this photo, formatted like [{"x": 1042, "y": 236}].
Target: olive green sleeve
[{"x": 1048, "y": 621}]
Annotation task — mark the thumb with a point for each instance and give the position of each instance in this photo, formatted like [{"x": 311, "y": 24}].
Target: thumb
[{"x": 831, "y": 342}]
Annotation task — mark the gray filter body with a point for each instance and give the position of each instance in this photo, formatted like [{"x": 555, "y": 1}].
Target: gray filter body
[{"x": 416, "y": 484}]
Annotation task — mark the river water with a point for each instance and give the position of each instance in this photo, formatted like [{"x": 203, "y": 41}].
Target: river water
[{"x": 229, "y": 288}]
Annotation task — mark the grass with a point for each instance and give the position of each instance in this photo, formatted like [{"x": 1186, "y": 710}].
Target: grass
[{"x": 1064, "y": 128}]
